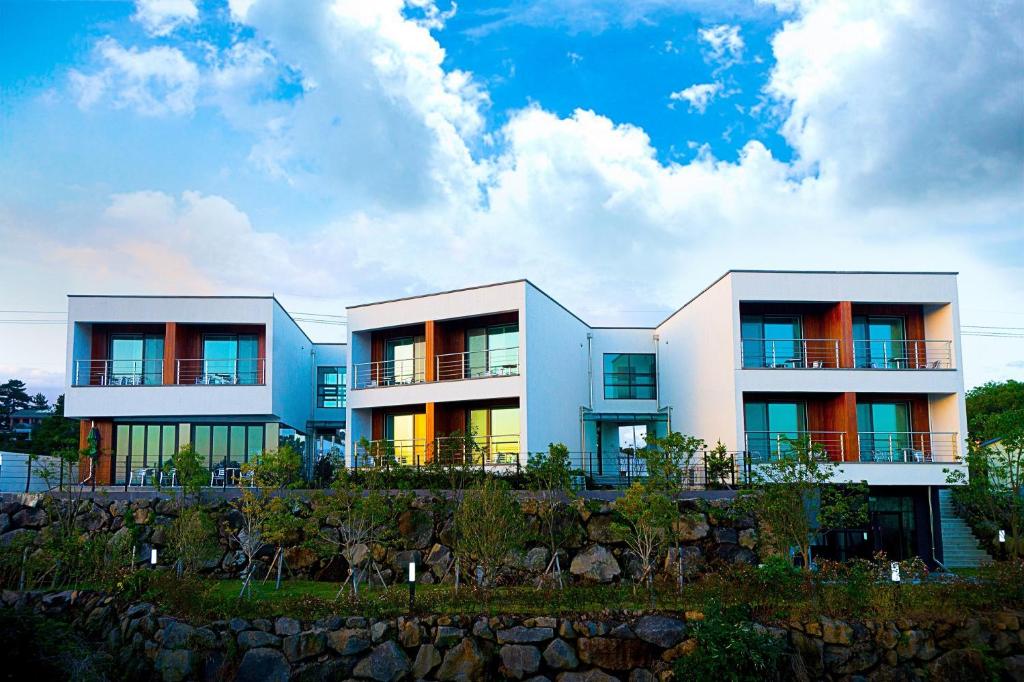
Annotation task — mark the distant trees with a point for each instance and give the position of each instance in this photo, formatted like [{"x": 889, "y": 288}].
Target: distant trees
[
  {"x": 13, "y": 397},
  {"x": 993, "y": 409}
]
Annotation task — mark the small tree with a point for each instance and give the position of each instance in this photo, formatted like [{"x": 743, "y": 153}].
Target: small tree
[
  {"x": 253, "y": 510},
  {"x": 643, "y": 517},
  {"x": 276, "y": 469},
  {"x": 550, "y": 476},
  {"x": 797, "y": 496},
  {"x": 489, "y": 527},
  {"x": 189, "y": 470},
  {"x": 280, "y": 524},
  {"x": 192, "y": 539},
  {"x": 346, "y": 521},
  {"x": 718, "y": 466}
]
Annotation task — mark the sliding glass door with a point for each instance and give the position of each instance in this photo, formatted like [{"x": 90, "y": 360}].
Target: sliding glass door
[
  {"x": 771, "y": 425},
  {"x": 879, "y": 342},
  {"x": 772, "y": 341},
  {"x": 405, "y": 360},
  {"x": 492, "y": 351},
  {"x": 885, "y": 431},
  {"x": 136, "y": 359},
  {"x": 406, "y": 434},
  {"x": 231, "y": 359},
  {"x": 495, "y": 432}
]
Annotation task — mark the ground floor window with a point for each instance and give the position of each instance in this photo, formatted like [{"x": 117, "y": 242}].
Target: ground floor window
[
  {"x": 141, "y": 446},
  {"x": 232, "y": 443}
]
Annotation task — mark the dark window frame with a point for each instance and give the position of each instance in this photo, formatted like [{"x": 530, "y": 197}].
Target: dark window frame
[
  {"x": 631, "y": 386},
  {"x": 337, "y": 392}
]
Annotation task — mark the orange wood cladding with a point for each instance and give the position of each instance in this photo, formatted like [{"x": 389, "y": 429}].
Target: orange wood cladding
[
  {"x": 100, "y": 341},
  {"x": 105, "y": 462},
  {"x": 170, "y": 344},
  {"x": 429, "y": 434},
  {"x": 188, "y": 341},
  {"x": 429, "y": 367}
]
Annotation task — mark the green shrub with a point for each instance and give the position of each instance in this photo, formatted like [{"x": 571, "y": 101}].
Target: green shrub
[
  {"x": 730, "y": 647},
  {"x": 192, "y": 539}
]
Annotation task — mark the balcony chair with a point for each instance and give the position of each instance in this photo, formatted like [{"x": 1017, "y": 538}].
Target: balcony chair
[
  {"x": 141, "y": 475},
  {"x": 171, "y": 474}
]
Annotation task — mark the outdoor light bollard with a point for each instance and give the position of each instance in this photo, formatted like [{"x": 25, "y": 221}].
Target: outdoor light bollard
[
  {"x": 152, "y": 556},
  {"x": 894, "y": 568},
  {"x": 1002, "y": 542},
  {"x": 412, "y": 585}
]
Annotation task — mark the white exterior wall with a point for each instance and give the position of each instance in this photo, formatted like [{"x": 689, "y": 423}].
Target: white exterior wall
[
  {"x": 291, "y": 371},
  {"x": 555, "y": 373},
  {"x": 610, "y": 340},
  {"x": 698, "y": 368}
]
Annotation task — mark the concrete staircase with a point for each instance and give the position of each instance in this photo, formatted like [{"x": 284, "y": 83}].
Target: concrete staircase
[{"x": 959, "y": 546}]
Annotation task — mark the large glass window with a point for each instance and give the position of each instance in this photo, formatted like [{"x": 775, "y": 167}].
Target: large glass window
[
  {"x": 492, "y": 351},
  {"x": 770, "y": 425},
  {"x": 136, "y": 359},
  {"x": 772, "y": 341},
  {"x": 231, "y": 359},
  {"x": 406, "y": 360},
  {"x": 406, "y": 434},
  {"x": 235, "y": 443},
  {"x": 138, "y": 446},
  {"x": 885, "y": 431},
  {"x": 330, "y": 387},
  {"x": 630, "y": 376},
  {"x": 879, "y": 342},
  {"x": 496, "y": 433},
  {"x": 892, "y": 520}
]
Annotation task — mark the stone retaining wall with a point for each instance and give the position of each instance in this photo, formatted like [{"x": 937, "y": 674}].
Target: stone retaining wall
[
  {"x": 593, "y": 553},
  {"x": 633, "y": 648}
]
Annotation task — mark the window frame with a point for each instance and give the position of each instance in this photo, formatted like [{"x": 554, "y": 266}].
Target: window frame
[
  {"x": 631, "y": 385},
  {"x": 340, "y": 387}
]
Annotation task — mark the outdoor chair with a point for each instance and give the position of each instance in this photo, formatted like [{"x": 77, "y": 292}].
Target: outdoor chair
[
  {"x": 140, "y": 476},
  {"x": 171, "y": 475}
]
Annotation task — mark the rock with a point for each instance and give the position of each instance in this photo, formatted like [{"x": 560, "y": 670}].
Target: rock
[
  {"x": 303, "y": 645},
  {"x": 483, "y": 630},
  {"x": 300, "y": 558},
  {"x": 379, "y": 630},
  {"x": 409, "y": 634},
  {"x": 724, "y": 536},
  {"x": 427, "y": 659},
  {"x": 811, "y": 651},
  {"x": 641, "y": 675},
  {"x": 176, "y": 635},
  {"x": 596, "y": 564},
  {"x": 401, "y": 560},
  {"x": 748, "y": 538},
  {"x": 959, "y": 664},
  {"x": 599, "y": 529},
  {"x": 693, "y": 561},
  {"x": 253, "y": 639},
  {"x": 12, "y": 535},
  {"x": 661, "y": 631},
  {"x": 263, "y": 665},
  {"x": 5, "y": 523},
  {"x": 438, "y": 559},
  {"x": 175, "y": 665},
  {"x": 536, "y": 560},
  {"x": 385, "y": 663},
  {"x": 588, "y": 676},
  {"x": 691, "y": 527},
  {"x": 1004, "y": 620},
  {"x": 560, "y": 655},
  {"x": 519, "y": 660},
  {"x": 463, "y": 662},
  {"x": 357, "y": 554},
  {"x": 349, "y": 641},
  {"x": 734, "y": 554},
  {"x": 909, "y": 644},
  {"x": 447, "y": 636},
  {"x": 836, "y": 632},
  {"x": 287, "y": 627},
  {"x": 236, "y": 625},
  {"x": 318, "y": 671},
  {"x": 141, "y": 516},
  {"x": 30, "y": 517},
  {"x": 1013, "y": 667},
  {"x": 623, "y": 631},
  {"x": 416, "y": 528},
  {"x": 613, "y": 654},
  {"x": 524, "y": 635}
]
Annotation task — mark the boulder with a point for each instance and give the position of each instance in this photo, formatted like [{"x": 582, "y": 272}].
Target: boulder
[
  {"x": 536, "y": 560},
  {"x": 12, "y": 535},
  {"x": 519, "y": 660},
  {"x": 427, "y": 659},
  {"x": 416, "y": 528},
  {"x": 286, "y": 627},
  {"x": 263, "y": 665},
  {"x": 175, "y": 635},
  {"x": 303, "y": 645},
  {"x": 836, "y": 632},
  {"x": 587, "y": 676},
  {"x": 691, "y": 527},
  {"x": 409, "y": 634},
  {"x": 349, "y": 641},
  {"x": 462, "y": 663},
  {"x": 253, "y": 639},
  {"x": 748, "y": 538},
  {"x": 661, "y": 631},
  {"x": 175, "y": 665},
  {"x": 959, "y": 664},
  {"x": 595, "y": 564},
  {"x": 447, "y": 635},
  {"x": 599, "y": 529},
  {"x": 560, "y": 655},
  {"x": 524, "y": 635},
  {"x": 385, "y": 663},
  {"x": 30, "y": 517},
  {"x": 614, "y": 654}
]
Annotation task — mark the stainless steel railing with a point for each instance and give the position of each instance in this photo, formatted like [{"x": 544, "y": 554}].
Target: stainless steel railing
[
  {"x": 909, "y": 447},
  {"x": 790, "y": 353},
  {"x": 210, "y": 372},
  {"x": 500, "y": 362},
  {"x": 769, "y": 445},
  {"x": 388, "y": 373},
  {"x": 118, "y": 372},
  {"x": 903, "y": 354}
]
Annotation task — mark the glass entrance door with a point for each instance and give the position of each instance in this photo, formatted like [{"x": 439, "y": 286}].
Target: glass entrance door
[
  {"x": 405, "y": 360},
  {"x": 406, "y": 436},
  {"x": 770, "y": 425},
  {"x": 885, "y": 431},
  {"x": 879, "y": 342}
]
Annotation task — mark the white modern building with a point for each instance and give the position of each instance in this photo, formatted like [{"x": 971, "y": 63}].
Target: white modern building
[{"x": 865, "y": 364}]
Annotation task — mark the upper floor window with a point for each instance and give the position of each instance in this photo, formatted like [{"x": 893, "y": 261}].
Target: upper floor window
[
  {"x": 405, "y": 360},
  {"x": 630, "y": 376},
  {"x": 879, "y": 341},
  {"x": 772, "y": 341},
  {"x": 492, "y": 350},
  {"x": 330, "y": 387},
  {"x": 231, "y": 359},
  {"x": 136, "y": 359}
]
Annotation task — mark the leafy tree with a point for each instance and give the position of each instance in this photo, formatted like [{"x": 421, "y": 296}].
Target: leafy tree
[
  {"x": 39, "y": 402},
  {"x": 12, "y": 398},
  {"x": 994, "y": 408},
  {"x": 189, "y": 470},
  {"x": 643, "y": 517},
  {"x": 489, "y": 527},
  {"x": 56, "y": 432},
  {"x": 550, "y": 475},
  {"x": 192, "y": 539},
  {"x": 249, "y": 536},
  {"x": 797, "y": 497},
  {"x": 276, "y": 469},
  {"x": 994, "y": 489},
  {"x": 280, "y": 524},
  {"x": 730, "y": 647},
  {"x": 718, "y": 467}
]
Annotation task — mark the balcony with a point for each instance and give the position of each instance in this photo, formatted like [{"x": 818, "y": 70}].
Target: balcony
[
  {"x": 476, "y": 451},
  {"x": 765, "y": 446},
  {"x": 388, "y": 373},
  {"x": 909, "y": 447},
  {"x": 903, "y": 354},
  {"x": 118, "y": 372},
  {"x": 234, "y": 372},
  {"x": 498, "y": 362},
  {"x": 790, "y": 353}
]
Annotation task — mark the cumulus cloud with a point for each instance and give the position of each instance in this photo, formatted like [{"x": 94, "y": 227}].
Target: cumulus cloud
[
  {"x": 162, "y": 17},
  {"x": 153, "y": 82},
  {"x": 698, "y": 95}
]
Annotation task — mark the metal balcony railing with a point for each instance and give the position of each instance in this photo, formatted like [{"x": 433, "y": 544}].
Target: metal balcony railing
[
  {"x": 768, "y": 445},
  {"x": 119, "y": 372},
  {"x": 481, "y": 451},
  {"x": 388, "y": 373},
  {"x": 790, "y": 353},
  {"x": 495, "y": 362},
  {"x": 910, "y": 447},
  {"x": 903, "y": 354},
  {"x": 207, "y": 372}
]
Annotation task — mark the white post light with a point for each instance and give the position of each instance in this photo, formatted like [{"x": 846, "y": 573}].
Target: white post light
[
  {"x": 1002, "y": 536},
  {"x": 895, "y": 568},
  {"x": 152, "y": 556},
  {"x": 412, "y": 585}
]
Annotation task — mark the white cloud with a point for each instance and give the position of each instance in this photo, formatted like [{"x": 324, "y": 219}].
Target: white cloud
[
  {"x": 162, "y": 17},
  {"x": 698, "y": 95},
  {"x": 725, "y": 44},
  {"x": 153, "y": 82}
]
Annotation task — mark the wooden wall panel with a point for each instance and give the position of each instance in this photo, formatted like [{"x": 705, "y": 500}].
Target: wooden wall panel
[{"x": 105, "y": 461}]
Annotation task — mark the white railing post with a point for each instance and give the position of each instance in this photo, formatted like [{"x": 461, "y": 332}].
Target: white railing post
[
  {"x": 842, "y": 447},
  {"x": 804, "y": 358},
  {"x": 835, "y": 345},
  {"x": 774, "y": 364},
  {"x": 917, "y": 363}
]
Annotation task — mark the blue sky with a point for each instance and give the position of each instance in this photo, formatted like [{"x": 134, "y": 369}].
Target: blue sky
[{"x": 620, "y": 155}]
